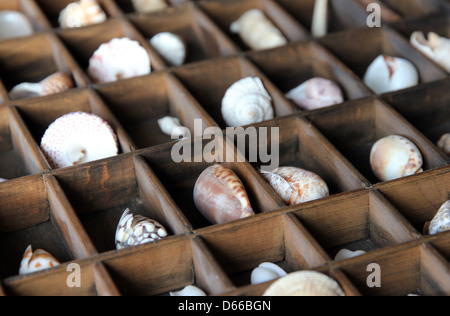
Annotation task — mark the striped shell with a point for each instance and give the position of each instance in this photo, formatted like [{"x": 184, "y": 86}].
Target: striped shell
[
  {"x": 135, "y": 230},
  {"x": 37, "y": 261},
  {"x": 81, "y": 13},
  {"x": 444, "y": 143},
  {"x": 441, "y": 222},
  {"x": 220, "y": 196}
]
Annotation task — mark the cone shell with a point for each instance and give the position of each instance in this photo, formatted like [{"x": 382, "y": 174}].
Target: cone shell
[
  {"x": 37, "y": 261},
  {"x": 135, "y": 230},
  {"x": 296, "y": 186},
  {"x": 441, "y": 222},
  {"x": 119, "y": 59},
  {"x": 444, "y": 144},
  {"x": 220, "y": 196},
  {"x": 394, "y": 157},
  {"x": 305, "y": 283},
  {"x": 14, "y": 24},
  {"x": 149, "y": 6},
  {"x": 171, "y": 47},
  {"x": 247, "y": 102},
  {"x": 435, "y": 47},
  {"x": 81, "y": 13},
  {"x": 77, "y": 138}
]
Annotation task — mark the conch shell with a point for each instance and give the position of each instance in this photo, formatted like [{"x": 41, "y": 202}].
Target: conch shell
[
  {"x": 149, "y": 6},
  {"x": 37, "y": 261},
  {"x": 444, "y": 143},
  {"x": 437, "y": 48},
  {"x": 387, "y": 74},
  {"x": 316, "y": 93},
  {"x": 135, "y": 230},
  {"x": 220, "y": 196},
  {"x": 247, "y": 102},
  {"x": 82, "y": 13},
  {"x": 189, "y": 290},
  {"x": 394, "y": 157},
  {"x": 305, "y": 283},
  {"x": 266, "y": 272},
  {"x": 257, "y": 31},
  {"x": 53, "y": 84},
  {"x": 170, "y": 46},
  {"x": 295, "y": 185},
  {"x": 172, "y": 126},
  {"x": 441, "y": 222}
]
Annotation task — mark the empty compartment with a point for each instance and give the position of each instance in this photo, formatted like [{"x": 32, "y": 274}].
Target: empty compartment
[
  {"x": 126, "y": 6},
  {"x": 31, "y": 11},
  {"x": 208, "y": 82},
  {"x": 418, "y": 8},
  {"x": 224, "y": 13},
  {"x": 139, "y": 108},
  {"x": 355, "y": 127}
]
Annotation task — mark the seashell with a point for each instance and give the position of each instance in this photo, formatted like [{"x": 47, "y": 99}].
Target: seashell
[
  {"x": 220, "y": 196},
  {"x": 394, "y": 157},
  {"x": 319, "y": 26},
  {"x": 305, "y": 283},
  {"x": 387, "y": 74},
  {"x": 435, "y": 47},
  {"x": 3, "y": 180},
  {"x": 444, "y": 143},
  {"x": 149, "y": 6},
  {"x": 189, "y": 290},
  {"x": 78, "y": 138},
  {"x": 121, "y": 58},
  {"x": 14, "y": 24},
  {"x": 37, "y": 261},
  {"x": 316, "y": 93},
  {"x": 53, "y": 84},
  {"x": 247, "y": 102},
  {"x": 257, "y": 31},
  {"x": 295, "y": 185},
  {"x": 135, "y": 230},
  {"x": 172, "y": 126},
  {"x": 441, "y": 222},
  {"x": 170, "y": 46},
  {"x": 345, "y": 254},
  {"x": 81, "y": 13},
  {"x": 266, "y": 272}
]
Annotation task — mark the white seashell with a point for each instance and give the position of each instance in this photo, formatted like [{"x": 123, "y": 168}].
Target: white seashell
[
  {"x": 305, "y": 283},
  {"x": 53, "y": 84},
  {"x": 345, "y": 254},
  {"x": 77, "y": 138},
  {"x": 135, "y": 230},
  {"x": 247, "y": 102},
  {"x": 172, "y": 126},
  {"x": 441, "y": 222},
  {"x": 319, "y": 26},
  {"x": 387, "y": 74},
  {"x": 189, "y": 290},
  {"x": 14, "y": 24},
  {"x": 295, "y": 185},
  {"x": 119, "y": 59},
  {"x": 149, "y": 6},
  {"x": 81, "y": 13},
  {"x": 444, "y": 143},
  {"x": 257, "y": 31},
  {"x": 266, "y": 272},
  {"x": 437, "y": 48},
  {"x": 171, "y": 47},
  {"x": 37, "y": 261},
  {"x": 316, "y": 93},
  {"x": 394, "y": 157}
]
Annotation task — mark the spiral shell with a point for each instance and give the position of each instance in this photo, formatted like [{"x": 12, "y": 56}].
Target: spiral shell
[
  {"x": 149, "y": 6},
  {"x": 81, "y": 13},
  {"x": 305, "y": 283},
  {"x": 266, "y": 272},
  {"x": 441, "y": 222},
  {"x": 444, "y": 143},
  {"x": 37, "y": 261},
  {"x": 435, "y": 47},
  {"x": 394, "y": 157},
  {"x": 135, "y": 230},
  {"x": 295, "y": 185},
  {"x": 170, "y": 46},
  {"x": 247, "y": 102},
  {"x": 220, "y": 196},
  {"x": 53, "y": 84}
]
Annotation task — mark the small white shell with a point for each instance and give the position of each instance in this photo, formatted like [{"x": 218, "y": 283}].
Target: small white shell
[
  {"x": 437, "y": 48},
  {"x": 441, "y": 222},
  {"x": 170, "y": 46},
  {"x": 444, "y": 143},
  {"x": 295, "y": 185},
  {"x": 81, "y": 13},
  {"x": 266, "y": 272},
  {"x": 394, "y": 157},
  {"x": 345, "y": 254},
  {"x": 189, "y": 290},
  {"x": 37, "y": 261},
  {"x": 305, "y": 283},
  {"x": 316, "y": 93},
  {"x": 53, "y": 84},
  {"x": 247, "y": 102},
  {"x": 387, "y": 74},
  {"x": 14, "y": 24},
  {"x": 149, "y": 6},
  {"x": 172, "y": 126},
  {"x": 257, "y": 31}
]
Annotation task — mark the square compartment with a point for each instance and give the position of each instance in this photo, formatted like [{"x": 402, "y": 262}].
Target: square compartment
[{"x": 418, "y": 8}]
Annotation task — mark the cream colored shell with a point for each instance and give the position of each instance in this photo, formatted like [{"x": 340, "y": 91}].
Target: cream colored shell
[
  {"x": 435, "y": 47},
  {"x": 441, "y": 222},
  {"x": 171, "y": 47},
  {"x": 149, "y": 6},
  {"x": 444, "y": 143},
  {"x": 81, "y": 13}
]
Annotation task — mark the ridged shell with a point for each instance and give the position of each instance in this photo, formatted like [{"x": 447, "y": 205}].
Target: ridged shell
[
  {"x": 316, "y": 93},
  {"x": 171, "y": 47},
  {"x": 305, "y": 283},
  {"x": 295, "y": 185},
  {"x": 444, "y": 143},
  {"x": 394, "y": 157},
  {"x": 441, "y": 222},
  {"x": 135, "y": 230},
  {"x": 247, "y": 102},
  {"x": 189, "y": 290},
  {"x": 53, "y": 84},
  {"x": 37, "y": 261},
  {"x": 257, "y": 31},
  {"x": 435, "y": 47},
  {"x": 14, "y": 24},
  {"x": 387, "y": 74},
  {"x": 81, "y": 13},
  {"x": 149, "y": 6},
  {"x": 220, "y": 196},
  {"x": 266, "y": 272}
]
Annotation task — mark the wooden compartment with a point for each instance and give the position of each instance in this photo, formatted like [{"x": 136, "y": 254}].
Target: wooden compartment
[
  {"x": 356, "y": 126},
  {"x": 30, "y": 10},
  {"x": 442, "y": 245},
  {"x": 225, "y": 12},
  {"x": 418, "y": 8},
  {"x": 208, "y": 82},
  {"x": 126, "y": 6}
]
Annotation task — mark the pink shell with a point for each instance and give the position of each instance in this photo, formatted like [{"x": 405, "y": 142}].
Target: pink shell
[
  {"x": 37, "y": 261},
  {"x": 56, "y": 83}
]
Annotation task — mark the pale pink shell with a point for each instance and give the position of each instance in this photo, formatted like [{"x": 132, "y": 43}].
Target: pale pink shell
[
  {"x": 441, "y": 222},
  {"x": 37, "y": 261},
  {"x": 444, "y": 144},
  {"x": 81, "y": 13},
  {"x": 56, "y": 83}
]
